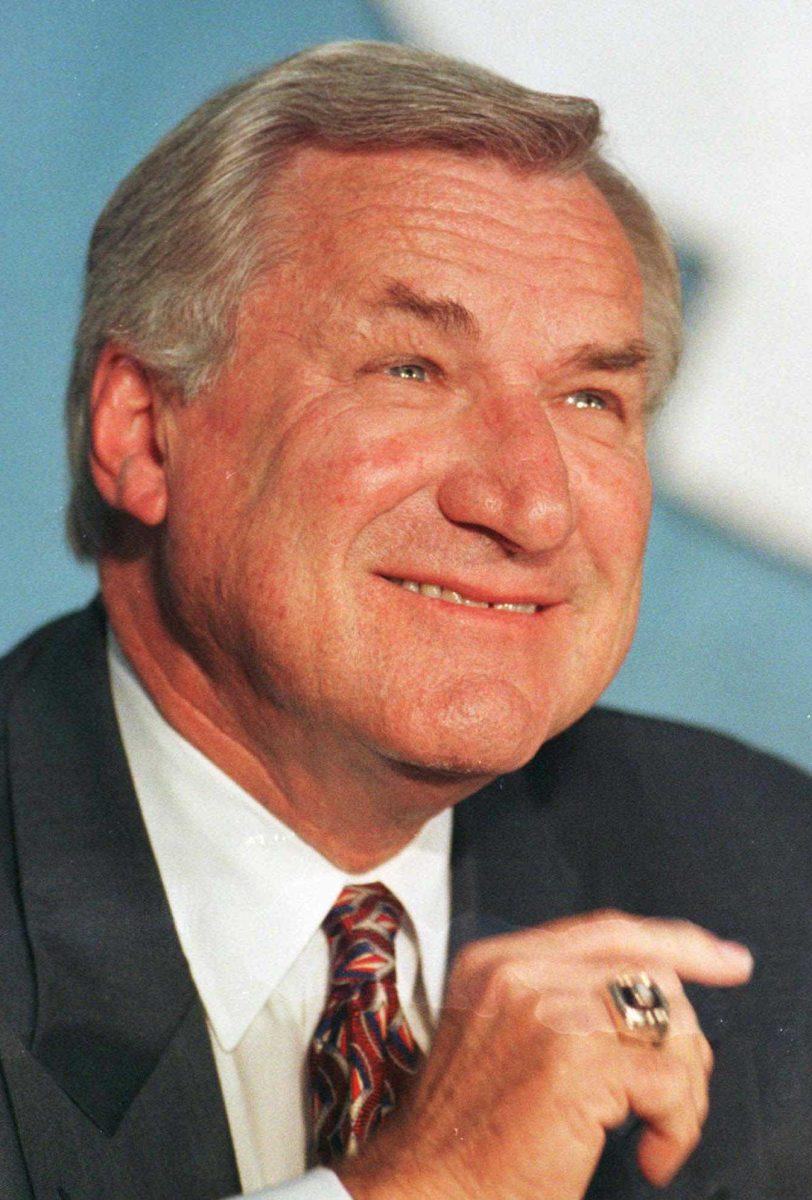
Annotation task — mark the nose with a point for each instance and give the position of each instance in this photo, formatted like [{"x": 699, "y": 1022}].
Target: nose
[{"x": 512, "y": 482}]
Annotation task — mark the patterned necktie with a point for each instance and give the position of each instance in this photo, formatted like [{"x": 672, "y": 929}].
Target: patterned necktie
[{"x": 363, "y": 1051}]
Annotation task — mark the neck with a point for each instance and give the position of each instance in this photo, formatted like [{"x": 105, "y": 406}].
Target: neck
[{"x": 353, "y": 805}]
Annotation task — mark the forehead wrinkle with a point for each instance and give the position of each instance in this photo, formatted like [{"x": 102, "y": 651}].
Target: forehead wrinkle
[
  {"x": 473, "y": 193},
  {"x": 572, "y": 238},
  {"x": 420, "y": 209},
  {"x": 532, "y": 245},
  {"x": 593, "y": 233},
  {"x": 360, "y": 182}
]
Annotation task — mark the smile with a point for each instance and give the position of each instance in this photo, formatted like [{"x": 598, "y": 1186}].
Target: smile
[{"x": 435, "y": 592}]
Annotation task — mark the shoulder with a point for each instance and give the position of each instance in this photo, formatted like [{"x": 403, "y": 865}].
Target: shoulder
[
  {"x": 670, "y": 761},
  {"x": 41, "y": 680},
  {"x": 57, "y": 644},
  {"x": 41, "y": 684},
  {"x": 671, "y": 817}
]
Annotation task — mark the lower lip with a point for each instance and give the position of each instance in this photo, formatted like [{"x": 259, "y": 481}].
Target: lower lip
[{"x": 467, "y": 610}]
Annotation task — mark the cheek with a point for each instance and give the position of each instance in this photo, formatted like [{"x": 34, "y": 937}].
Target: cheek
[
  {"x": 273, "y": 525},
  {"x": 211, "y": 466},
  {"x": 614, "y": 508},
  {"x": 201, "y": 509},
  {"x": 344, "y": 472}
]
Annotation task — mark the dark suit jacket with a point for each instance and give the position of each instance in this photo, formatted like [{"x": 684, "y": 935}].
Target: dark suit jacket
[{"x": 108, "y": 1088}]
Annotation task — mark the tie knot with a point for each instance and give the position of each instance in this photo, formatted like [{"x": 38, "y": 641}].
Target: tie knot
[{"x": 361, "y": 928}]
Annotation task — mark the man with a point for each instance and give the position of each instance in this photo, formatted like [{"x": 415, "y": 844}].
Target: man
[{"x": 358, "y": 439}]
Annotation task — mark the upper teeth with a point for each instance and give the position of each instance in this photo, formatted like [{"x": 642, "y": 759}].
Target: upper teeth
[{"x": 440, "y": 593}]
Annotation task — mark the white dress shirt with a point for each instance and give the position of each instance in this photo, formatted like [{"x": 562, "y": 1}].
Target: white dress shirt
[{"x": 247, "y": 897}]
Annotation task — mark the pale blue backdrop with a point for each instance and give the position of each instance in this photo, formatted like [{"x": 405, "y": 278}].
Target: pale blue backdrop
[{"x": 87, "y": 88}]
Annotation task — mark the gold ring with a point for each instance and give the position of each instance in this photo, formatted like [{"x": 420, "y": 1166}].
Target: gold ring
[{"x": 639, "y": 1007}]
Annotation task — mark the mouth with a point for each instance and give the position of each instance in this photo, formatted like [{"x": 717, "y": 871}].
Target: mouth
[{"x": 437, "y": 591}]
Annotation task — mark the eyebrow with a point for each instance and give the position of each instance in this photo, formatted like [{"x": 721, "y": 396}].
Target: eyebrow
[
  {"x": 448, "y": 315},
  {"x": 453, "y": 317},
  {"x": 593, "y": 357}
]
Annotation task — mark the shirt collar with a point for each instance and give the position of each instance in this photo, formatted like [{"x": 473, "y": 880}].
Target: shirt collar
[{"x": 246, "y": 893}]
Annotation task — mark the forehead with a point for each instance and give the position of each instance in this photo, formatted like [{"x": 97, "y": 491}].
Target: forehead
[
  {"x": 537, "y": 259},
  {"x": 357, "y": 212}
]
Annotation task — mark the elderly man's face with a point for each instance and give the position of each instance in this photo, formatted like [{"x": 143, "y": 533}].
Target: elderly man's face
[{"x": 443, "y": 385}]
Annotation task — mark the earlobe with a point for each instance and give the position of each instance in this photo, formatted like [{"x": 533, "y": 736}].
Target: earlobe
[{"x": 126, "y": 458}]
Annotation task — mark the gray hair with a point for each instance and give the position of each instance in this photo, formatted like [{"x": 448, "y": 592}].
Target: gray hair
[{"x": 186, "y": 233}]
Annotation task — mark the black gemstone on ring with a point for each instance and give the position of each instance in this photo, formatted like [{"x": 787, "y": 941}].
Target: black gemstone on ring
[{"x": 641, "y": 1005}]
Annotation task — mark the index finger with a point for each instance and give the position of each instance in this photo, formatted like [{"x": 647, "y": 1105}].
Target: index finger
[{"x": 696, "y": 954}]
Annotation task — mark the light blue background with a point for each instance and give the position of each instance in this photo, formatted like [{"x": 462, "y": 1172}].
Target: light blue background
[{"x": 87, "y": 89}]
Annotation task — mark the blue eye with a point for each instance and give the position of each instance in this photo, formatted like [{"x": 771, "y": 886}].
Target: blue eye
[
  {"x": 586, "y": 400},
  {"x": 412, "y": 371}
]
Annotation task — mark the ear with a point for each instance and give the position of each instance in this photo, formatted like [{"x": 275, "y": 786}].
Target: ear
[{"x": 126, "y": 457}]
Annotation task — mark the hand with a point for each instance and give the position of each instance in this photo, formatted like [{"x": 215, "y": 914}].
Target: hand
[{"x": 527, "y": 1071}]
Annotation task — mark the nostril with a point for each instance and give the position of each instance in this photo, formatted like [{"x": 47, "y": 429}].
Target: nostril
[{"x": 523, "y": 501}]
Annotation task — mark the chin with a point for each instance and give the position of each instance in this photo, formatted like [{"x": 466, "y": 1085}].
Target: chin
[
  {"x": 469, "y": 733},
  {"x": 456, "y": 767}
]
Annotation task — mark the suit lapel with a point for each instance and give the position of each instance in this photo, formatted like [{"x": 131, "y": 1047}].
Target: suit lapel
[
  {"x": 113, "y": 988},
  {"x": 509, "y": 869}
]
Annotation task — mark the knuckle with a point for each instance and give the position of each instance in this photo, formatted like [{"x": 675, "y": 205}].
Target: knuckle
[
  {"x": 609, "y": 928},
  {"x": 673, "y": 1080},
  {"x": 504, "y": 980},
  {"x": 677, "y": 1087},
  {"x": 469, "y": 959},
  {"x": 614, "y": 915},
  {"x": 689, "y": 929},
  {"x": 484, "y": 982},
  {"x": 670, "y": 983},
  {"x": 467, "y": 977}
]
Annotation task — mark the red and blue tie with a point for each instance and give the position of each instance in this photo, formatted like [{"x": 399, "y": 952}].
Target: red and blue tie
[{"x": 363, "y": 1051}]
